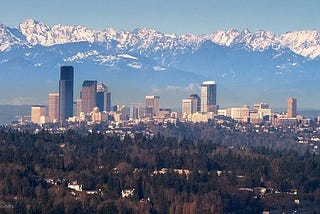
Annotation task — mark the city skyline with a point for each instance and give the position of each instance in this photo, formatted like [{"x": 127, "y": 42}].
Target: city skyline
[
  {"x": 194, "y": 108},
  {"x": 106, "y": 97}
]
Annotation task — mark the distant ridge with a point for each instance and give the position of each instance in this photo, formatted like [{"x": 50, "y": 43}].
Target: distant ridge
[
  {"x": 305, "y": 43},
  {"x": 248, "y": 67}
]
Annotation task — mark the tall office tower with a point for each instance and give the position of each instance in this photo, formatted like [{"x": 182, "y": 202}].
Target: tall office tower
[
  {"x": 196, "y": 96},
  {"x": 53, "y": 107},
  {"x": 102, "y": 95},
  {"x": 88, "y": 96},
  {"x": 292, "y": 107},
  {"x": 208, "y": 96},
  {"x": 108, "y": 102},
  {"x": 135, "y": 111},
  {"x": 189, "y": 106},
  {"x": 38, "y": 114},
  {"x": 66, "y": 92},
  {"x": 152, "y": 106}
]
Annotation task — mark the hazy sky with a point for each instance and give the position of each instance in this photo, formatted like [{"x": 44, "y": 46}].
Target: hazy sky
[{"x": 168, "y": 16}]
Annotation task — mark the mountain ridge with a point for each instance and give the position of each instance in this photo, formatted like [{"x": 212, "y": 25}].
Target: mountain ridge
[
  {"x": 305, "y": 43},
  {"x": 148, "y": 61}
]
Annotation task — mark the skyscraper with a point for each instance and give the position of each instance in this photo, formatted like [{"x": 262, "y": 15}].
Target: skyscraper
[
  {"x": 88, "y": 96},
  {"x": 108, "y": 102},
  {"x": 189, "y": 106},
  {"x": 103, "y": 97},
  {"x": 196, "y": 96},
  {"x": 66, "y": 92},
  {"x": 292, "y": 107},
  {"x": 53, "y": 107},
  {"x": 152, "y": 106},
  {"x": 208, "y": 96},
  {"x": 135, "y": 111}
]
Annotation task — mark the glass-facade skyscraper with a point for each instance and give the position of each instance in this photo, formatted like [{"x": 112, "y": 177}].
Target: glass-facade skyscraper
[
  {"x": 66, "y": 92},
  {"x": 208, "y": 96}
]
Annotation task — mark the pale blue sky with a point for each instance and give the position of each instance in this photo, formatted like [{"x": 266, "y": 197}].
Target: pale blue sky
[{"x": 168, "y": 16}]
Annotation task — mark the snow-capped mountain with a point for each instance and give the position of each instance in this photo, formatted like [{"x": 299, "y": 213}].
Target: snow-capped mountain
[
  {"x": 10, "y": 38},
  {"x": 146, "y": 56},
  {"x": 305, "y": 43}
]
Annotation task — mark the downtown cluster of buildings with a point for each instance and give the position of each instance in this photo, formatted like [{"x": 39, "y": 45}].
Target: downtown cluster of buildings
[
  {"x": 203, "y": 108},
  {"x": 62, "y": 107},
  {"x": 94, "y": 105}
]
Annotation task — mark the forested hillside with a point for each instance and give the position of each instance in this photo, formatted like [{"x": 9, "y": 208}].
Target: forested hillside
[{"x": 162, "y": 175}]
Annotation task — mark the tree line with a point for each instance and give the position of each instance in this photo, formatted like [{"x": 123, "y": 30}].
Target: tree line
[{"x": 109, "y": 165}]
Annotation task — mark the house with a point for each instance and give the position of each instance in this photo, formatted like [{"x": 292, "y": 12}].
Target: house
[{"x": 127, "y": 193}]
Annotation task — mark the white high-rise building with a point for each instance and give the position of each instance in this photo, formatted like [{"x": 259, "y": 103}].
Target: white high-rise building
[
  {"x": 38, "y": 114},
  {"x": 135, "y": 111},
  {"x": 291, "y": 107},
  {"x": 53, "y": 107},
  {"x": 152, "y": 106},
  {"x": 189, "y": 106},
  {"x": 208, "y": 95}
]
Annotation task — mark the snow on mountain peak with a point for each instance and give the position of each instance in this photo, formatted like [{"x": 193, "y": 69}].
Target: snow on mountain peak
[
  {"x": 33, "y": 32},
  {"x": 305, "y": 43},
  {"x": 8, "y": 38},
  {"x": 261, "y": 40},
  {"x": 65, "y": 34},
  {"x": 36, "y": 32},
  {"x": 223, "y": 37}
]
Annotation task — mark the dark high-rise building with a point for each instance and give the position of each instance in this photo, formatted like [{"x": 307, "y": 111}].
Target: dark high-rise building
[
  {"x": 103, "y": 97},
  {"x": 108, "y": 102},
  {"x": 88, "y": 96},
  {"x": 66, "y": 92}
]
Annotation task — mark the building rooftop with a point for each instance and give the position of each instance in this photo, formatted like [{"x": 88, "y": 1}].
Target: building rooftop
[
  {"x": 88, "y": 83},
  {"x": 209, "y": 82}
]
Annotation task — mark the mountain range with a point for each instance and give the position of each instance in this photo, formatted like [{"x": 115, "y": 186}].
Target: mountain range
[{"x": 248, "y": 67}]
